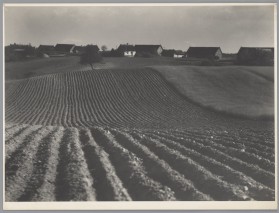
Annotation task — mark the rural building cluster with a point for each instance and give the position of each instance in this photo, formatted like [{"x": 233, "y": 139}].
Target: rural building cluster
[{"x": 245, "y": 55}]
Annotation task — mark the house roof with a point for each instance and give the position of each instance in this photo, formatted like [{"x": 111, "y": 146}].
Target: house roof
[
  {"x": 202, "y": 51},
  {"x": 79, "y": 48},
  {"x": 64, "y": 47},
  {"x": 46, "y": 48},
  {"x": 126, "y": 47},
  {"x": 147, "y": 47}
]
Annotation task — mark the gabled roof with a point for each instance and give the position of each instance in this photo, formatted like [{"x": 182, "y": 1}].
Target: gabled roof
[
  {"x": 95, "y": 47},
  {"x": 64, "y": 47},
  {"x": 168, "y": 53},
  {"x": 79, "y": 48},
  {"x": 46, "y": 48},
  {"x": 126, "y": 47},
  {"x": 147, "y": 48},
  {"x": 202, "y": 51}
]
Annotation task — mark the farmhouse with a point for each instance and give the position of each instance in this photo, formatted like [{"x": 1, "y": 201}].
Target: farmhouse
[
  {"x": 256, "y": 55},
  {"x": 168, "y": 53},
  {"x": 178, "y": 54},
  {"x": 148, "y": 50},
  {"x": 126, "y": 50},
  {"x": 64, "y": 48},
  {"x": 18, "y": 52},
  {"x": 78, "y": 49},
  {"x": 204, "y": 52},
  {"x": 173, "y": 53},
  {"x": 47, "y": 49}
]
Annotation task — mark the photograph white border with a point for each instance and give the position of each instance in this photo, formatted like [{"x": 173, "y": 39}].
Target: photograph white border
[{"x": 147, "y": 205}]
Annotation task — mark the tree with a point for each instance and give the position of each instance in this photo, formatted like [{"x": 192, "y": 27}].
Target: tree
[
  {"x": 104, "y": 48},
  {"x": 90, "y": 56}
]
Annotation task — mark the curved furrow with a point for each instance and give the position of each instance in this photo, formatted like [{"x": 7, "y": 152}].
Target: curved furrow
[
  {"x": 255, "y": 189},
  {"x": 161, "y": 171},
  {"x": 264, "y": 152},
  {"x": 65, "y": 97},
  {"x": 258, "y": 174},
  {"x": 88, "y": 115},
  {"x": 250, "y": 158},
  {"x": 45, "y": 106},
  {"x": 19, "y": 168},
  {"x": 106, "y": 102},
  {"x": 238, "y": 142},
  {"x": 28, "y": 107},
  {"x": 14, "y": 131},
  {"x": 122, "y": 110},
  {"x": 150, "y": 100},
  {"x": 118, "y": 114},
  {"x": 54, "y": 100},
  {"x": 11, "y": 90},
  {"x": 20, "y": 87},
  {"x": 42, "y": 184},
  {"x": 236, "y": 146},
  {"x": 235, "y": 136},
  {"x": 96, "y": 108},
  {"x": 128, "y": 109},
  {"x": 101, "y": 93},
  {"x": 14, "y": 108},
  {"x": 79, "y": 107},
  {"x": 73, "y": 181},
  {"x": 246, "y": 140},
  {"x": 130, "y": 170},
  {"x": 10, "y": 126},
  {"x": 107, "y": 184},
  {"x": 60, "y": 107},
  {"x": 41, "y": 103},
  {"x": 137, "y": 95},
  {"x": 265, "y": 136},
  {"x": 43, "y": 162},
  {"x": 83, "y": 111},
  {"x": 203, "y": 179},
  {"x": 20, "y": 141}
]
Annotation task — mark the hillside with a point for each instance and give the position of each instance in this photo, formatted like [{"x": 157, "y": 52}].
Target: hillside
[
  {"x": 126, "y": 134},
  {"x": 136, "y": 98},
  {"x": 244, "y": 91}
]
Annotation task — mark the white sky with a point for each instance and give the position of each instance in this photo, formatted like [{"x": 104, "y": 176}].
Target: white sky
[{"x": 173, "y": 27}]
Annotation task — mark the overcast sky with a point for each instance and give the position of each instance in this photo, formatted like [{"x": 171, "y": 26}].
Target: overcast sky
[{"x": 173, "y": 27}]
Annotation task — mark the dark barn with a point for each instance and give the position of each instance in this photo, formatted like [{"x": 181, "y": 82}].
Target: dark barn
[
  {"x": 65, "y": 48},
  {"x": 148, "y": 50},
  {"x": 255, "y": 56},
  {"x": 204, "y": 52},
  {"x": 127, "y": 50},
  {"x": 46, "y": 49}
]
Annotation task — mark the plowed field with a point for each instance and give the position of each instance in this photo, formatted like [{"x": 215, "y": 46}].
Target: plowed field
[{"x": 128, "y": 135}]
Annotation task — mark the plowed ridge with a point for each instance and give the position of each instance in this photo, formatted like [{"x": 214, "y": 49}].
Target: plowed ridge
[
  {"x": 138, "y": 98},
  {"x": 122, "y": 135},
  {"x": 87, "y": 164}
]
